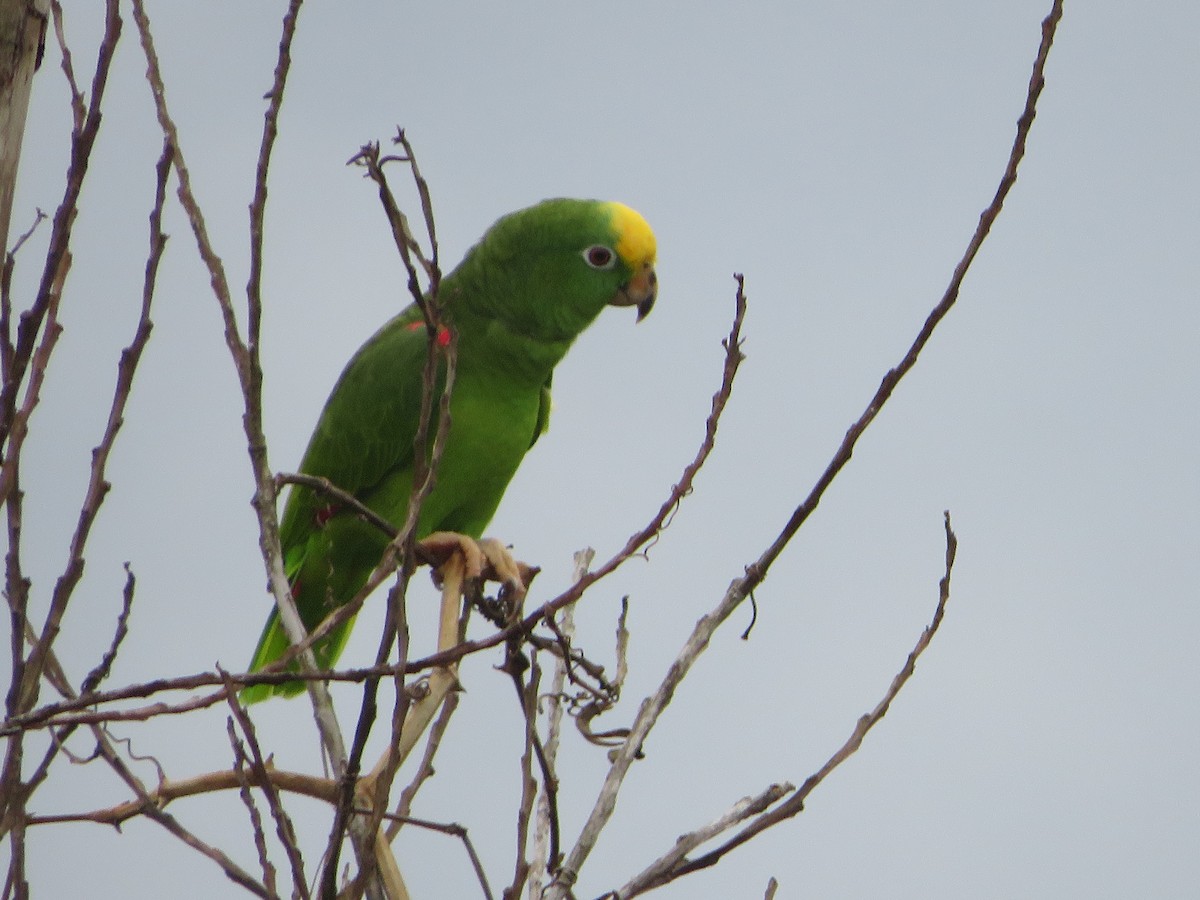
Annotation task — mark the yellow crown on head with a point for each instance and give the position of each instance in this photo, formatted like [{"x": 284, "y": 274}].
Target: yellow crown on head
[{"x": 635, "y": 239}]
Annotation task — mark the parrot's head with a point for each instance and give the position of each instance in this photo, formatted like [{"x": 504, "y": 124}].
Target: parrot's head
[
  {"x": 547, "y": 271},
  {"x": 635, "y": 248}
]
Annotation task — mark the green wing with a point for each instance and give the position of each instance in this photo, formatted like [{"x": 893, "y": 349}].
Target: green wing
[
  {"x": 366, "y": 431},
  {"x": 362, "y": 443}
]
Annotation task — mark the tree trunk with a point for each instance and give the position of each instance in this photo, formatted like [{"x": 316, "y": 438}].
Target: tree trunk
[{"x": 22, "y": 37}]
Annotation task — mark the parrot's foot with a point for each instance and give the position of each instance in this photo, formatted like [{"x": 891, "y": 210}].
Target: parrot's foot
[{"x": 486, "y": 559}]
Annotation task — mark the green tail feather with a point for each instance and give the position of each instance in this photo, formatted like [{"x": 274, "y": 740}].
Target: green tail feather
[{"x": 274, "y": 643}]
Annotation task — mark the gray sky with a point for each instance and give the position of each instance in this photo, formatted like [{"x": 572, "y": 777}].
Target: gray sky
[{"x": 837, "y": 154}]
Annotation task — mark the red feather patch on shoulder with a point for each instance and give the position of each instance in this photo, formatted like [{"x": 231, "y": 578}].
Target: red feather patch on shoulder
[{"x": 443, "y": 333}]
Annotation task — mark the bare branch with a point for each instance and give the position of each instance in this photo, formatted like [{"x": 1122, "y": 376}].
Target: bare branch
[
  {"x": 260, "y": 838},
  {"x": 6, "y": 307},
  {"x": 284, "y": 829},
  {"x": 82, "y": 141},
  {"x": 454, "y": 830},
  {"x": 324, "y": 486},
  {"x": 639, "y": 540},
  {"x": 78, "y": 111},
  {"x": 27, "y": 671},
  {"x": 98, "y": 485},
  {"x": 424, "y": 769},
  {"x": 546, "y": 834},
  {"x": 659, "y": 871},
  {"x": 410, "y": 250},
  {"x": 209, "y": 782},
  {"x": 794, "y": 804},
  {"x": 258, "y": 205},
  {"x": 100, "y": 672},
  {"x": 756, "y": 572},
  {"x": 250, "y": 377},
  {"x": 740, "y": 588},
  {"x": 441, "y": 358}
]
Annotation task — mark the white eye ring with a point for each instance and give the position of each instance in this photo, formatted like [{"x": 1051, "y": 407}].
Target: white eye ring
[{"x": 600, "y": 257}]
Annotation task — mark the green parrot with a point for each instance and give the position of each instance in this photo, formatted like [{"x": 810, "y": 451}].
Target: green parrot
[{"x": 516, "y": 302}]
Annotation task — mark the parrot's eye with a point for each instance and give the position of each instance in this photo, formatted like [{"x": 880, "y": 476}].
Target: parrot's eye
[{"x": 599, "y": 257}]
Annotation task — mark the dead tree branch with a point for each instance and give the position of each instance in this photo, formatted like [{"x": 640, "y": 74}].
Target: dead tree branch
[{"x": 741, "y": 587}]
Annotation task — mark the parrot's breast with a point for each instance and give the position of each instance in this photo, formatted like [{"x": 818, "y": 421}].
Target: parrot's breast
[{"x": 491, "y": 428}]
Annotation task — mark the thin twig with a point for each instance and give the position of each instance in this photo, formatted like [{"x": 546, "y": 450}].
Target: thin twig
[
  {"x": 546, "y": 833},
  {"x": 424, "y": 769},
  {"x": 299, "y": 783},
  {"x": 251, "y": 381},
  {"x": 658, "y": 871},
  {"x": 660, "y": 520},
  {"x": 102, "y": 669},
  {"x": 88, "y": 709},
  {"x": 260, "y": 838},
  {"x": 794, "y": 804},
  {"x": 258, "y": 205},
  {"x": 430, "y": 263},
  {"x": 23, "y": 692},
  {"x": 454, "y": 830},
  {"x": 321, "y": 485},
  {"x": 78, "y": 111},
  {"x": 757, "y": 571},
  {"x": 28, "y": 673},
  {"x": 10, "y": 262},
  {"x": 29, "y": 352},
  {"x": 284, "y": 829},
  {"x": 516, "y": 665},
  {"x": 145, "y": 804},
  {"x": 83, "y": 139},
  {"x": 441, "y": 359},
  {"x": 410, "y": 250}
]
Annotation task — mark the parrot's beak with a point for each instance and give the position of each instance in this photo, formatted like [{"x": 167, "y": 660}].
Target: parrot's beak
[{"x": 640, "y": 291}]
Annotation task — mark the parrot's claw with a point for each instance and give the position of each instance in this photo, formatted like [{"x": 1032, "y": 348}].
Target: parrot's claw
[
  {"x": 486, "y": 559},
  {"x": 504, "y": 568},
  {"x": 438, "y": 547}
]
